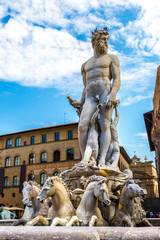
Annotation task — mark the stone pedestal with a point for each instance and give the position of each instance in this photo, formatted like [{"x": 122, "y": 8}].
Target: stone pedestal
[{"x": 79, "y": 233}]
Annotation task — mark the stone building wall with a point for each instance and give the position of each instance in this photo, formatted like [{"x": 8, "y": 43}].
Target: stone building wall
[
  {"x": 155, "y": 132},
  {"x": 124, "y": 161},
  {"x": 147, "y": 174},
  {"x": 11, "y": 195}
]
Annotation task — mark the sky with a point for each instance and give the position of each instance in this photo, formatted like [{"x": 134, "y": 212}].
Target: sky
[{"x": 43, "y": 44}]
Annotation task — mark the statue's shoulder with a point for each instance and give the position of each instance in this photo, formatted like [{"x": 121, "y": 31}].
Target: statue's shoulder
[
  {"x": 83, "y": 67},
  {"x": 85, "y": 63},
  {"x": 114, "y": 59}
]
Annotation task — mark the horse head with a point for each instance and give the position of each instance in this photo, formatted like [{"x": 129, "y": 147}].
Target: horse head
[
  {"x": 28, "y": 192},
  {"x": 134, "y": 190},
  {"x": 101, "y": 192},
  {"x": 47, "y": 190}
]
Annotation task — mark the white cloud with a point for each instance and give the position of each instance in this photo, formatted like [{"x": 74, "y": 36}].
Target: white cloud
[
  {"x": 134, "y": 146},
  {"x": 3, "y": 11},
  {"x": 35, "y": 56},
  {"x": 142, "y": 33},
  {"x": 131, "y": 100},
  {"x": 142, "y": 135}
]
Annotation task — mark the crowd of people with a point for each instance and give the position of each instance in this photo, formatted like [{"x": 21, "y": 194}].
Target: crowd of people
[{"x": 152, "y": 215}]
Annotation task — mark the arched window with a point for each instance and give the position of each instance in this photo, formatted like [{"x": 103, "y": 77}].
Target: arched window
[
  {"x": 31, "y": 158},
  {"x": 43, "y": 178},
  {"x": 56, "y": 174},
  {"x": 15, "y": 181},
  {"x": 70, "y": 154},
  {"x": 56, "y": 156},
  {"x": 8, "y": 162},
  {"x": 17, "y": 161},
  {"x": 6, "y": 181},
  {"x": 18, "y": 142},
  {"x": 43, "y": 157},
  {"x": 31, "y": 177}
]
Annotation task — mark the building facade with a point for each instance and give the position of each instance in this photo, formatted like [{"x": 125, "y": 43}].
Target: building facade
[
  {"x": 145, "y": 174},
  {"x": 39, "y": 153},
  {"x": 152, "y": 122},
  {"x": 155, "y": 132}
]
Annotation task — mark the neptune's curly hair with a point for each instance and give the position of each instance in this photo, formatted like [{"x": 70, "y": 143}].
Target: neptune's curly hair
[{"x": 97, "y": 33}]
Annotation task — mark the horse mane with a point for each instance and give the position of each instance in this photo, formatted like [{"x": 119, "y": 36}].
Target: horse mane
[
  {"x": 57, "y": 179},
  {"x": 35, "y": 184},
  {"x": 95, "y": 178}
]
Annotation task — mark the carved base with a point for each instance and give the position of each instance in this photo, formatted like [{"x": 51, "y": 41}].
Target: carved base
[{"x": 78, "y": 233}]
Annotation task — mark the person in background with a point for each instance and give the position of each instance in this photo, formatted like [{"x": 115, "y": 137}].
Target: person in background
[
  {"x": 151, "y": 215},
  {"x": 147, "y": 214}
]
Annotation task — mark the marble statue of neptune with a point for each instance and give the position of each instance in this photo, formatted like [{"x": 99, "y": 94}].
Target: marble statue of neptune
[{"x": 101, "y": 77}]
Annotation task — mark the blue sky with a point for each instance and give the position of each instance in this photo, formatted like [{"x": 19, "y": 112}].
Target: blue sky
[{"x": 43, "y": 45}]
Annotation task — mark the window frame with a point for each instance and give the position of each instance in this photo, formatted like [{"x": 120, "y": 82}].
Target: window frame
[
  {"x": 18, "y": 142},
  {"x": 44, "y": 138},
  {"x": 70, "y": 134},
  {"x": 44, "y": 161},
  {"x": 31, "y": 177},
  {"x": 17, "y": 158},
  {"x": 9, "y": 143},
  {"x": 68, "y": 158},
  {"x": 57, "y": 136},
  {"x": 42, "y": 179},
  {"x": 58, "y": 158},
  {"x": 6, "y": 179},
  {"x": 33, "y": 159},
  {"x": 8, "y": 159},
  {"x": 56, "y": 174},
  {"x": 15, "y": 181},
  {"x": 32, "y": 139}
]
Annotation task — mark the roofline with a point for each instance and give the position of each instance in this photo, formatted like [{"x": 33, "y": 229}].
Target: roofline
[
  {"x": 142, "y": 171},
  {"x": 125, "y": 155},
  {"x": 39, "y": 129}
]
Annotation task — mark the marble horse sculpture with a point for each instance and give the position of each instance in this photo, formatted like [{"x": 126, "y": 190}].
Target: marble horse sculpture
[
  {"x": 128, "y": 212},
  {"x": 62, "y": 209},
  {"x": 88, "y": 212},
  {"x": 27, "y": 216},
  {"x": 30, "y": 192}
]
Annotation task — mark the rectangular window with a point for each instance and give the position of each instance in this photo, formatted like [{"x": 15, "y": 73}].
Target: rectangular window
[
  {"x": 18, "y": 142},
  {"x": 57, "y": 136},
  {"x": 32, "y": 140},
  {"x": 44, "y": 138},
  {"x": 9, "y": 143},
  {"x": 70, "y": 134}
]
